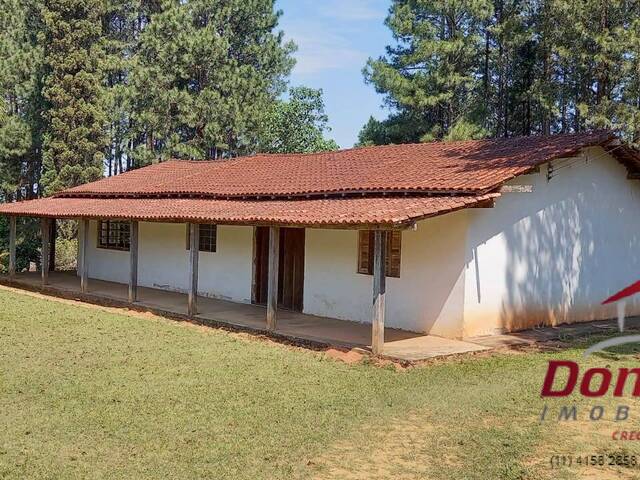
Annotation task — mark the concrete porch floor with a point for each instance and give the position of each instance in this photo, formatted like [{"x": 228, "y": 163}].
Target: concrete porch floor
[{"x": 399, "y": 344}]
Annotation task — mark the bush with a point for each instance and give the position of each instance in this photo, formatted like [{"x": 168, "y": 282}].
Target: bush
[{"x": 66, "y": 254}]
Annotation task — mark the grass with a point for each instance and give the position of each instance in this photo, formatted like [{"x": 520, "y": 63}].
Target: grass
[{"x": 88, "y": 393}]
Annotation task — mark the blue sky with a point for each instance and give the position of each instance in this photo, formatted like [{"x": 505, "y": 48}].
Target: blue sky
[{"x": 335, "y": 38}]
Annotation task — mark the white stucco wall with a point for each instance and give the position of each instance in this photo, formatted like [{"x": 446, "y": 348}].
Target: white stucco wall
[
  {"x": 163, "y": 261},
  {"x": 428, "y": 296},
  {"x": 555, "y": 254}
]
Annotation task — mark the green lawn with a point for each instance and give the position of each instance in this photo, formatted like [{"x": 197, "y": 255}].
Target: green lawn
[{"x": 86, "y": 393}]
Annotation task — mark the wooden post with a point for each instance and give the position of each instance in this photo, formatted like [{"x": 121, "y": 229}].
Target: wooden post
[
  {"x": 379, "y": 289},
  {"x": 133, "y": 263},
  {"x": 12, "y": 247},
  {"x": 53, "y": 225},
  {"x": 84, "y": 256},
  {"x": 194, "y": 254},
  {"x": 45, "y": 233},
  {"x": 272, "y": 274}
]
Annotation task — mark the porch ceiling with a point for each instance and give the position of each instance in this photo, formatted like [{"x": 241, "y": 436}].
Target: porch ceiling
[{"x": 381, "y": 212}]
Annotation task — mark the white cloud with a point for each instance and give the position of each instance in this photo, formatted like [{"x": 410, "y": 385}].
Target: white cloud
[
  {"x": 320, "y": 49},
  {"x": 330, "y": 33}
]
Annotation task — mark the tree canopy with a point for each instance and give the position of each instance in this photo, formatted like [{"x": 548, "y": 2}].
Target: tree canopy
[
  {"x": 297, "y": 124},
  {"x": 89, "y": 87},
  {"x": 499, "y": 68},
  {"x": 95, "y": 87},
  {"x": 204, "y": 75}
]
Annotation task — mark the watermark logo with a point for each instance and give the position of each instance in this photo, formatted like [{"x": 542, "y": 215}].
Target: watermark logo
[
  {"x": 603, "y": 378},
  {"x": 564, "y": 377},
  {"x": 620, "y": 299}
]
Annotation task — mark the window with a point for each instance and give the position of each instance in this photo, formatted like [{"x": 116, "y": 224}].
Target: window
[
  {"x": 208, "y": 237},
  {"x": 365, "y": 253},
  {"x": 114, "y": 235}
]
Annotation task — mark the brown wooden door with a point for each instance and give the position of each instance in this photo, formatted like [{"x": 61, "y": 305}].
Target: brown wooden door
[{"x": 291, "y": 271}]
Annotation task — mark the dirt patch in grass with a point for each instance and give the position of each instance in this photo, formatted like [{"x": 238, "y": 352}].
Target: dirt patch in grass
[
  {"x": 392, "y": 453},
  {"x": 349, "y": 356}
]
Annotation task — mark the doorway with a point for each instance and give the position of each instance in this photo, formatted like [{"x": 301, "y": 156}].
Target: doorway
[{"x": 291, "y": 267}]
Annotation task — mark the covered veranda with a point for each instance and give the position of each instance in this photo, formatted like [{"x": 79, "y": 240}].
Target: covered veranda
[
  {"x": 399, "y": 344},
  {"x": 269, "y": 319}
]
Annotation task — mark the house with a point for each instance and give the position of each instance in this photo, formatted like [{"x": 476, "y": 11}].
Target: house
[{"x": 451, "y": 239}]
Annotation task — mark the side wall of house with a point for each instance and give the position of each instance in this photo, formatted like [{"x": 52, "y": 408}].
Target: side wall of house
[
  {"x": 164, "y": 261},
  {"x": 428, "y": 296},
  {"x": 553, "y": 255}
]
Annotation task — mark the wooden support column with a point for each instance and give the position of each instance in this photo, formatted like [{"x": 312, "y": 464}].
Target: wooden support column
[
  {"x": 84, "y": 255},
  {"x": 379, "y": 289},
  {"x": 12, "y": 247},
  {"x": 194, "y": 254},
  {"x": 45, "y": 233},
  {"x": 133, "y": 263},
  {"x": 272, "y": 283},
  {"x": 53, "y": 235}
]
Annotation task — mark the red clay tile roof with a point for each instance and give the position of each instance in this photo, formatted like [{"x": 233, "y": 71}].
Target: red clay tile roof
[
  {"x": 344, "y": 212},
  {"x": 388, "y": 186},
  {"x": 470, "y": 167}
]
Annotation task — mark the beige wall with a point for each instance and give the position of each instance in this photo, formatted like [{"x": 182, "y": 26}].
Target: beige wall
[{"x": 428, "y": 296}]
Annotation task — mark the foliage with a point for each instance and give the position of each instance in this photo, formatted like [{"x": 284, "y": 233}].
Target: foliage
[
  {"x": 123, "y": 22},
  {"x": 74, "y": 139},
  {"x": 66, "y": 245},
  {"x": 402, "y": 127},
  {"x": 66, "y": 254},
  {"x": 204, "y": 75},
  {"x": 297, "y": 124},
  {"x": 431, "y": 68},
  {"x": 89, "y": 87},
  {"x": 27, "y": 243},
  {"x": 508, "y": 67},
  {"x": 21, "y": 104}
]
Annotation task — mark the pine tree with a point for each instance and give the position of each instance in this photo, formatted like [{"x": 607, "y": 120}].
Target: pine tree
[
  {"x": 598, "y": 50},
  {"x": 122, "y": 22},
  {"x": 20, "y": 120},
  {"x": 205, "y": 75},
  {"x": 20, "y": 100},
  {"x": 516, "y": 67},
  {"x": 433, "y": 69},
  {"x": 74, "y": 140}
]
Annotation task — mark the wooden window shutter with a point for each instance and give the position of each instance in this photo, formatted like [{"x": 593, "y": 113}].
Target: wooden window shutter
[
  {"x": 394, "y": 244},
  {"x": 365, "y": 253}
]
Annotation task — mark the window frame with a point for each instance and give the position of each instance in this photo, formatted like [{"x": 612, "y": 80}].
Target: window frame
[
  {"x": 119, "y": 245},
  {"x": 212, "y": 239},
  {"x": 392, "y": 266}
]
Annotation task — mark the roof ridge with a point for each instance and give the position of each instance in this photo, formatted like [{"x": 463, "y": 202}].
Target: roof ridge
[
  {"x": 433, "y": 167},
  {"x": 327, "y": 194},
  {"x": 516, "y": 138}
]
